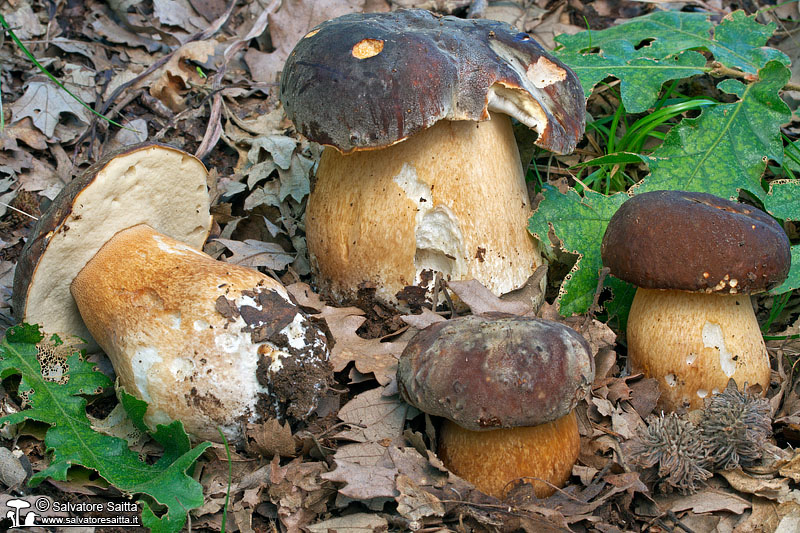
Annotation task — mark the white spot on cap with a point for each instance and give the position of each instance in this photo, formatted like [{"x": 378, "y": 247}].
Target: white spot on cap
[
  {"x": 544, "y": 73},
  {"x": 671, "y": 380},
  {"x": 702, "y": 393}
]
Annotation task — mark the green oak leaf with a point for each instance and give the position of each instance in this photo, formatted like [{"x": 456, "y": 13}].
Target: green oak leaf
[
  {"x": 725, "y": 149},
  {"x": 793, "y": 280},
  {"x": 579, "y": 222},
  {"x": 644, "y": 52},
  {"x": 619, "y": 306},
  {"x": 641, "y": 78},
  {"x": 737, "y": 42},
  {"x": 72, "y": 441},
  {"x": 783, "y": 200}
]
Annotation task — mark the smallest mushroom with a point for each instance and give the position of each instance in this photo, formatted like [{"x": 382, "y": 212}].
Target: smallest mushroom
[
  {"x": 507, "y": 387},
  {"x": 695, "y": 259}
]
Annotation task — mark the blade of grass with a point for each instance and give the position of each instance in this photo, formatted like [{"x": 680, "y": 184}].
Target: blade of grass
[{"x": 41, "y": 67}]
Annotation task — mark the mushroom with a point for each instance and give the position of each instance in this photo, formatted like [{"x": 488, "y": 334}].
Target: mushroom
[
  {"x": 507, "y": 387},
  {"x": 202, "y": 341},
  {"x": 695, "y": 258},
  {"x": 421, "y": 172}
]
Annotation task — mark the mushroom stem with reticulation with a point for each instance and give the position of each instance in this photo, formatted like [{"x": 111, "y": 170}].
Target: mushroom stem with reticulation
[
  {"x": 421, "y": 173},
  {"x": 208, "y": 343},
  {"x": 507, "y": 388},
  {"x": 695, "y": 259}
]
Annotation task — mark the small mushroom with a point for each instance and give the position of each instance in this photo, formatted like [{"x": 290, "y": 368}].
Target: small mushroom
[
  {"x": 421, "y": 172},
  {"x": 212, "y": 344},
  {"x": 507, "y": 388},
  {"x": 695, "y": 259}
]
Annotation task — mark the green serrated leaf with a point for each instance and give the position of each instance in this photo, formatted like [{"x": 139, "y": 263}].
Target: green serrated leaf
[
  {"x": 793, "y": 280},
  {"x": 73, "y": 442},
  {"x": 726, "y": 147},
  {"x": 783, "y": 200},
  {"x": 737, "y": 42},
  {"x": 641, "y": 78},
  {"x": 646, "y": 51},
  {"x": 619, "y": 306},
  {"x": 579, "y": 222}
]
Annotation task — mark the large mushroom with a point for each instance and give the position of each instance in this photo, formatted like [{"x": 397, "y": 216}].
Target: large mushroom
[
  {"x": 211, "y": 344},
  {"x": 421, "y": 172},
  {"x": 507, "y": 388},
  {"x": 695, "y": 259}
]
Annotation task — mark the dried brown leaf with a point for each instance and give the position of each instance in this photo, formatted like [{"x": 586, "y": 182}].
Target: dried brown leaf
[
  {"x": 481, "y": 300},
  {"x": 711, "y": 501},
  {"x": 776, "y": 489},
  {"x": 415, "y": 503},
  {"x": 353, "y": 523},
  {"x": 44, "y": 102},
  {"x": 374, "y": 417},
  {"x": 271, "y": 438},
  {"x": 369, "y": 355}
]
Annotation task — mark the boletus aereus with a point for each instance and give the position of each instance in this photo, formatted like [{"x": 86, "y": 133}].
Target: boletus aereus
[{"x": 116, "y": 261}]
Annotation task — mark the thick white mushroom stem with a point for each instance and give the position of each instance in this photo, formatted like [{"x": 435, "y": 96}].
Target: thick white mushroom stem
[
  {"x": 201, "y": 341},
  {"x": 693, "y": 343},
  {"x": 498, "y": 459},
  {"x": 450, "y": 199}
]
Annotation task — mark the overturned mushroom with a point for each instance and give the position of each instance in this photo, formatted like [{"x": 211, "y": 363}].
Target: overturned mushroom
[
  {"x": 507, "y": 388},
  {"x": 421, "y": 172},
  {"x": 695, "y": 259},
  {"x": 202, "y": 341}
]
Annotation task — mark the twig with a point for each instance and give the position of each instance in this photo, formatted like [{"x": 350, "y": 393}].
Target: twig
[{"x": 214, "y": 129}]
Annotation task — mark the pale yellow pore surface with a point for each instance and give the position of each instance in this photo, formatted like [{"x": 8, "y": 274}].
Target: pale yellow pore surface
[
  {"x": 450, "y": 199},
  {"x": 694, "y": 343},
  {"x": 156, "y": 185},
  {"x": 149, "y": 301},
  {"x": 495, "y": 460}
]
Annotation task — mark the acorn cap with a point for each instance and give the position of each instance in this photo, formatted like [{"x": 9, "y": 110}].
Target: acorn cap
[
  {"x": 366, "y": 81},
  {"x": 492, "y": 371},
  {"x": 695, "y": 241},
  {"x": 152, "y": 184}
]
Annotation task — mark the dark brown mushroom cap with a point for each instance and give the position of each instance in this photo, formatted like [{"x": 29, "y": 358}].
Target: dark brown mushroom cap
[
  {"x": 492, "y": 371},
  {"x": 695, "y": 242},
  {"x": 365, "y": 81}
]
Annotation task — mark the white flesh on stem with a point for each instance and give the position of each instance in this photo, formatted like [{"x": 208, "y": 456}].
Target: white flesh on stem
[
  {"x": 450, "y": 199},
  {"x": 693, "y": 343}
]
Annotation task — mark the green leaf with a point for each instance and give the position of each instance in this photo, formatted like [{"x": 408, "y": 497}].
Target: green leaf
[
  {"x": 641, "y": 78},
  {"x": 644, "y": 52},
  {"x": 783, "y": 200},
  {"x": 72, "y": 441},
  {"x": 619, "y": 306},
  {"x": 737, "y": 42},
  {"x": 579, "y": 222},
  {"x": 726, "y": 147},
  {"x": 793, "y": 280}
]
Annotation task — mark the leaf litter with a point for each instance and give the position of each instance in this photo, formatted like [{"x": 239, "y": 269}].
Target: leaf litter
[{"x": 366, "y": 463}]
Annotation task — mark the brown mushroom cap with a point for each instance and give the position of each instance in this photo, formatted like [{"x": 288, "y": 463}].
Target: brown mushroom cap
[
  {"x": 365, "y": 81},
  {"x": 492, "y": 371},
  {"x": 695, "y": 242},
  {"x": 152, "y": 184}
]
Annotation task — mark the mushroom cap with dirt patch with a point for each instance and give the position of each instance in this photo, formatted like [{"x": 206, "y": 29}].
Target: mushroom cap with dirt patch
[
  {"x": 151, "y": 184},
  {"x": 496, "y": 371},
  {"x": 212, "y": 344},
  {"x": 367, "y": 81},
  {"x": 694, "y": 241}
]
